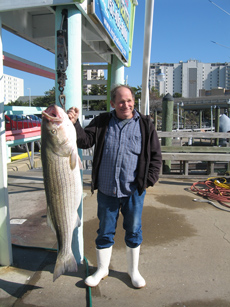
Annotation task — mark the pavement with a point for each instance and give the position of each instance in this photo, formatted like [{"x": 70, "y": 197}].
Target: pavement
[{"x": 184, "y": 255}]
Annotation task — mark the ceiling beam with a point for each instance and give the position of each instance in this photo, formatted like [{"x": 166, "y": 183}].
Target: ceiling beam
[{"x": 15, "y": 62}]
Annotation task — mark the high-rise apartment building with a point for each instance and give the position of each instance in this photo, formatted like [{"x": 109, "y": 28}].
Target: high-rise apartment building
[
  {"x": 13, "y": 88},
  {"x": 189, "y": 78}
]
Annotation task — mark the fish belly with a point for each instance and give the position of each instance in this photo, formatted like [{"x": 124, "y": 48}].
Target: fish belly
[{"x": 63, "y": 188}]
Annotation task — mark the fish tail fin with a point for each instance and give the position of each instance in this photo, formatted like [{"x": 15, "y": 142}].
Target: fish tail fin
[{"x": 64, "y": 263}]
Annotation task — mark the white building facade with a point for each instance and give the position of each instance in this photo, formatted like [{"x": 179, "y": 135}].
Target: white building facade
[
  {"x": 189, "y": 78},
  {"x": 13, "y": 88},
  {"x": 91, "y": 74}
]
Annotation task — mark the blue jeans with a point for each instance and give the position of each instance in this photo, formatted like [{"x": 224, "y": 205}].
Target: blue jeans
[{"x": 108, "y": 213}]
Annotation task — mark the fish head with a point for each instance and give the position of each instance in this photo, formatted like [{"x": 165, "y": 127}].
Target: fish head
[{"x": 58, "y": 132}]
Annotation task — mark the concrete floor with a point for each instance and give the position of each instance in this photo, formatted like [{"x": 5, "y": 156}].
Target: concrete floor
[{"x": 184, "y": 256}]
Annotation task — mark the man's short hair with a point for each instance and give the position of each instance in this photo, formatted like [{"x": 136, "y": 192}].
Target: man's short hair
[{"x": 114, "y": 91}]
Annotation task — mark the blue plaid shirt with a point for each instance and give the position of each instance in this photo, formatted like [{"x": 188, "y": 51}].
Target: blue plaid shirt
[{"x": 118, "y": 166}]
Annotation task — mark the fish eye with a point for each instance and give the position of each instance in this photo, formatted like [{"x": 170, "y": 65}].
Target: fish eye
[{"x": 53, "y": 131}]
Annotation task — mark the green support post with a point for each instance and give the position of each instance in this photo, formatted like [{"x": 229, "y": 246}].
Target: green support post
[
  {"x": 167, "y": 125},
  {"x": 200, "y": 118},
  {"x": 108, "y": 87}
]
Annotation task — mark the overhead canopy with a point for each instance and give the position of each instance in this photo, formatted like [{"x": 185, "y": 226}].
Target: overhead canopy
[{"x": 34, "y": 21}]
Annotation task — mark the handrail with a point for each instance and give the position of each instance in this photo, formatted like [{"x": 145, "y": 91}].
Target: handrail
[
  {"x": 26, "y": 135},
  {"x": 23, "y": 133}
]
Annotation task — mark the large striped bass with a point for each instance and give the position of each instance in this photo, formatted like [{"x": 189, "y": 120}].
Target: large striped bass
[{"x": 62, "y": 181}]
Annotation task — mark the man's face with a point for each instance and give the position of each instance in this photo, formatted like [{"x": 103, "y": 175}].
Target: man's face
[{"x": 124, "y": 103}]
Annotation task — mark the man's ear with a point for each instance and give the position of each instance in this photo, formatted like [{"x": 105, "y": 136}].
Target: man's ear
[{"x": 112, "y": 104}]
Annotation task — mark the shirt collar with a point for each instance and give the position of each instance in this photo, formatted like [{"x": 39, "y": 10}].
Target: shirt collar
[{"x": 136, "y": 115}]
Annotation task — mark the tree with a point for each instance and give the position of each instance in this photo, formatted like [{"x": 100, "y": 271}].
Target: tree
[
  {"x": 98, "y": 90},
  {"x": 155, "y": 102},
  {"x": 154, "y": 92},
  {"x": 18, "y": 103},
  {"x": 137, "y": 91},
  {"x": 177, "y": 95},
  {"x": 45, "y": 101}
]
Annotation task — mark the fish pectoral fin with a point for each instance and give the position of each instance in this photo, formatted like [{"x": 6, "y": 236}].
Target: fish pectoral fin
[
  {"x": 49, "y": 220},
  {"x": 73, "y": 159},
  {"x": 78, "y": 222}
]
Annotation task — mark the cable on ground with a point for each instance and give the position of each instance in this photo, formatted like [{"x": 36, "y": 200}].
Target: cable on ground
[{"x": 214, "y": 188}]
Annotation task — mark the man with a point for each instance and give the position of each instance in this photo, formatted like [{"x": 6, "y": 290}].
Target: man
[{"x": 127, "y": 159}]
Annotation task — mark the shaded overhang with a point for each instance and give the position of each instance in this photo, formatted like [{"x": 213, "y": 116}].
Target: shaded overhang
[{"x": 34, "y": 20}]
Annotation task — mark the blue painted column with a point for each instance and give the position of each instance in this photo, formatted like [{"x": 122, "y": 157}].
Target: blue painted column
[
  {"x": 73, "y": 93},
  {"x": 5, "y": 236},
  {"x": 117, "y": 72},
  {"x": 117, "y": 76}
]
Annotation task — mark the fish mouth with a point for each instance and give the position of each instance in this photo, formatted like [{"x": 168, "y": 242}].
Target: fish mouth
[{"x": 53, "y": 114}]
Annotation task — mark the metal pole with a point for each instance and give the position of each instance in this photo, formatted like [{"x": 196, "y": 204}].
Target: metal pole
[
  {"x": 181, "y": 115},
  {"x": 217, "y": 123},
  {"x": 149, "y": 8},
  {"x": 29, "y": 96},
  {"x": 178, "y": 117},
  {"x": 5, "y": 236},
  {"x": 228, "y": 103},
  {"x": 211, "y": 119}
]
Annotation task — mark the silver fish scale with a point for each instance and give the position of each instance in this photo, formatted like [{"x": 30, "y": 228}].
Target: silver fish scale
[
  {"x": 63, "y": 184},
  {"x": 62, "y": 193}
]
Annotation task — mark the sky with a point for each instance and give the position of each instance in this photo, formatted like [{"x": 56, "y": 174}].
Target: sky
[{"x": 182, "y": 30}]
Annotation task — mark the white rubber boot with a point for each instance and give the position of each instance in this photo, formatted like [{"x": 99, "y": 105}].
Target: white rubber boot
[
  {"x": 132, "y": 261},
  {"x": 103, "y": 261}
]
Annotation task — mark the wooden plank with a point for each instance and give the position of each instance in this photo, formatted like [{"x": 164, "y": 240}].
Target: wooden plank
[
  {"x": 183, "y": 176},
  {"x": 195, "y": 157},
  {"x": 198, "y": 149},
  {"x": 191, "y": 134}
]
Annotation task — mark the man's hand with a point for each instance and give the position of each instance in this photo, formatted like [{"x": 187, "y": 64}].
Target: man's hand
[{"x": 73, "y": 114}]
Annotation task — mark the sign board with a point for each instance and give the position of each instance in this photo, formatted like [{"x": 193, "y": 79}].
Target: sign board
[{"x": 115, "y": 16}]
